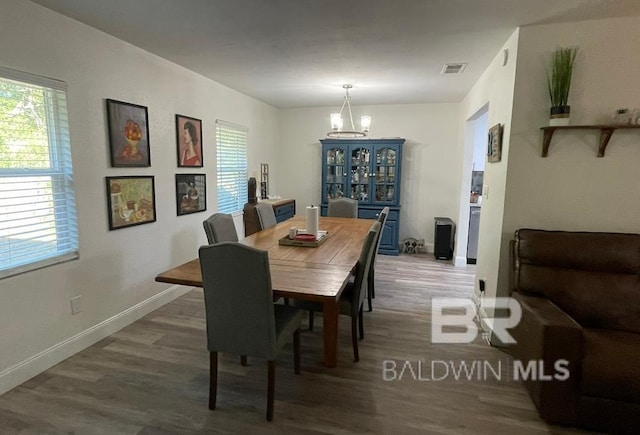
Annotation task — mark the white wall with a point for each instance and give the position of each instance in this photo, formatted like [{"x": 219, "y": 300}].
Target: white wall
[
  {"x": 430, "y": 166},
  {"x": 495, "y": 87},
  {"x": 116, "y": 269},
  {"x": 572, "y": 189}
]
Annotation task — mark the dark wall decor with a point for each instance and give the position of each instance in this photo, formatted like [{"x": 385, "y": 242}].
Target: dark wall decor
[
  {"x": 191, "y": 193},
  {"x": 128, "y": 134},
  {"x": 189, "y": 141},
  {"x": 131, "y": 201}
]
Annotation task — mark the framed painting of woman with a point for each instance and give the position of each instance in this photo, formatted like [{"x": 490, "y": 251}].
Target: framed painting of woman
[{"x": 189, "y": 141}]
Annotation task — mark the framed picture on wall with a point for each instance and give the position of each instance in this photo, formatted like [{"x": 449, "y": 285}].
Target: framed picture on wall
[
  {"x": 189, "y": 141},
  {"x": 131, "y": 201},
  {"x": 494, "y": 144},
  {"x": 191, "y": 193},
  {"x": 128, "y": 134}
]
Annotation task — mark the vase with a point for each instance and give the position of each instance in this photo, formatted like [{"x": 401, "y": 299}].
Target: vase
[{"x": 559, "y": 115}]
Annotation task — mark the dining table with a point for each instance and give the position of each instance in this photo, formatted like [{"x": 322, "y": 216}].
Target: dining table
[{"x": 310, "y": 273}]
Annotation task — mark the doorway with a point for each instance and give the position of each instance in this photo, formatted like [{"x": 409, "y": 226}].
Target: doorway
[{"x": 475, "y": 150}]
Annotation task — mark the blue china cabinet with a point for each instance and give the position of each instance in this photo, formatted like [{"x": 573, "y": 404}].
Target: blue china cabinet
[{"x": 367, "y": 170}]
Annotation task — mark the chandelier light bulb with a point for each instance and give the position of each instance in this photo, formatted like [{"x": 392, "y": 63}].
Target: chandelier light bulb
[
  {"x": 365, "y": 123},
  {"x": 336, "y": 122}
]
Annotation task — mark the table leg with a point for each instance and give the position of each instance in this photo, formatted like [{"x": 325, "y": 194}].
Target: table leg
[{"x": 330, "y": 313}]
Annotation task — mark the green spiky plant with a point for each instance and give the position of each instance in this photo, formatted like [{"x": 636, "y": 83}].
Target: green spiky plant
[{"x": 559, "y": 74}]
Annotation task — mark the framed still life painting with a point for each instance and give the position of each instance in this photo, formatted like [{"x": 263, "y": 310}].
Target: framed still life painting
[
  {"x": 191, "y": 193},
  {"x": 189, "y": 141},
  {"x": 131, "y": 201},
  {"x": 128, "y": 134}
]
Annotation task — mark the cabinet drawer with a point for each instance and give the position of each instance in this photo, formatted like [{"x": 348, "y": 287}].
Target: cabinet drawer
[
  {"x": 284, "y": 209},
  {"x": 373, "y": 214}
]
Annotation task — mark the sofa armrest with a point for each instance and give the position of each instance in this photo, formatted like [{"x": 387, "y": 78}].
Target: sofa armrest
[{"x": 546, "y": 334}]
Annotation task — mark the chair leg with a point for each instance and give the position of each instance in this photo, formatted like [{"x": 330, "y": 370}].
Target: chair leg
[
  {"x": 213, "y": 379},
  {"x": 369, "y": 299},
  {"x": 310, "y": 320},
  {"x": 296, "y": 351},
  {"x": 361, "y": 322},
  {"x": 371, "y": 286},
  {"x": 371, "y": 282},
  {"x": 354, "y": 338},
  {"x": 243, "y": 360},
  {"x": 271, "y": 388}
]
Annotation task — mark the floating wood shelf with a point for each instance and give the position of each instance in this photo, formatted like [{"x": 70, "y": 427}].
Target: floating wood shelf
[{"x": 605, "y": 134}]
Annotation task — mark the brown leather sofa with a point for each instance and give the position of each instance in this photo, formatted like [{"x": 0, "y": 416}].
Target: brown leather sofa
[{"x": 580, "y": 299}]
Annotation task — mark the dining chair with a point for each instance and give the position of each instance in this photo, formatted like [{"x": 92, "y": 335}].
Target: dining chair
[
  {"x": 219, "y": 227},
  {"x": 241, "y": 317},
  {"x": 371, "y": 290},
  {"x": 343, "y": 207},
  {"x": 266, "y": 215},
  {"x": 352, "y": 298}
]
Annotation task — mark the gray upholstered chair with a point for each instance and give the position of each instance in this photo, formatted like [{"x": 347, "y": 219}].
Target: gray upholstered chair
[
  {"x": 343, "y": 207},
  {"x": 266, "y": 216},
  {"x": 240, "y": 313},
  {"x": 371, "y": 289},
  {"x": 219, "y": 227},
  {"x": 352, "y": 297}
]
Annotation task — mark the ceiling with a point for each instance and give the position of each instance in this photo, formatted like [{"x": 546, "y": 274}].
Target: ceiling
[{"x": 299, "y": 53}]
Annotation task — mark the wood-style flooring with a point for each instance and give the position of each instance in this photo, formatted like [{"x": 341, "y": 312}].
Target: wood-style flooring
[{"x": 152, "y": 376}]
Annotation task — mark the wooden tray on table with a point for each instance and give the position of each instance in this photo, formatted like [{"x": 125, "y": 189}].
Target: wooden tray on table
[{"x": 301, "y": 240}]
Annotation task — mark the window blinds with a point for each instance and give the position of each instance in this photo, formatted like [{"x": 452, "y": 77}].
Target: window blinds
[
  {"x": 38, "y": 224},
  {"x": 232, "y": 166}
]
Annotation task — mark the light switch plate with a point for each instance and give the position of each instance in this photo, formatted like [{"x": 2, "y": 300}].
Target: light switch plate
[{"x": 485, "y": 191}]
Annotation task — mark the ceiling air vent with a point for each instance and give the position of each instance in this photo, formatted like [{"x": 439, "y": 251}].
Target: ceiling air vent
[{"x": 453, "y": 68}]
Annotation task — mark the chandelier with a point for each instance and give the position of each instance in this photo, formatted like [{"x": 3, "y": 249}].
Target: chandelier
[{"x": 337, "y": 122}]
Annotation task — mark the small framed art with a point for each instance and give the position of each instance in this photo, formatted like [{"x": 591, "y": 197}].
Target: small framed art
[
  {"x": 131, "y": 201},
  {"x": 189, "y": 141},
  {"x": 494, "y": 144},
  {"x": 128, "y": 134},
  {"x": 191, "y": 193}
]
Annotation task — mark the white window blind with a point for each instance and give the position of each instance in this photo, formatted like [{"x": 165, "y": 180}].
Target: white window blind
[
  {"x": 232, "y": 166},
  {"x": 38, "y": 224}
]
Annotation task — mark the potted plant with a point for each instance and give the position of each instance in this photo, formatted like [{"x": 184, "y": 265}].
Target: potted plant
[{"x": 559, "y": 73}]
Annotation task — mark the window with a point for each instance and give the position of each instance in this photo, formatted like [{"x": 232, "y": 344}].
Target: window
[
  {"x": 37, "y": 205},
  {"x": 232, "y": 166}
]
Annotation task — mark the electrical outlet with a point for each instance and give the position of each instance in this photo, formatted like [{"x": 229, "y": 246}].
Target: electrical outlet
[
  {"x": 76, "y": 307},
  {"x": 481, "y": 284}
]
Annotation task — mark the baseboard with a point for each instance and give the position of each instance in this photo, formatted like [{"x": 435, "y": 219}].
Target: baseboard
[{"x": 25, "y": 370}]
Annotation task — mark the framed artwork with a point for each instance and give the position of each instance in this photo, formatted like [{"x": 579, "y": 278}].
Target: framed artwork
[
  {"x": 494, "y": 144},
  {"x": 189, "y": 140},
  {"x": 131, "y": 201},
  {"x": 128, "y": 134},
  {"x": 264, "y": 180},
  {"x": 191, "y": 193}
]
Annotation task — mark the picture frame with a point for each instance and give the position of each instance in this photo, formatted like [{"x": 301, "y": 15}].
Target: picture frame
[
  {"x": 130, "y": 201},
  {"x": 129, "y": 144},
  {"x": 189, "y": 141},
  {"x": 191, "y": 193},
  {"x": 494, "y": 144},
  {"x": 264, "y": 180}
]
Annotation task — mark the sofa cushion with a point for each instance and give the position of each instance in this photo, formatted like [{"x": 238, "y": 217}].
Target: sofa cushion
[
  {"x": 611, "y": 365},
  {"x": 593, "y": 277}
]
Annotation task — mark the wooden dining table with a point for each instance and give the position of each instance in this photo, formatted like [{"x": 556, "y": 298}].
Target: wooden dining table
[{"x": 299, "y": 272}]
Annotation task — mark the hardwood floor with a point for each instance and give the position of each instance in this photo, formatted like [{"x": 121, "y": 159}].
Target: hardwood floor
[{"x": 152, "y": 376}]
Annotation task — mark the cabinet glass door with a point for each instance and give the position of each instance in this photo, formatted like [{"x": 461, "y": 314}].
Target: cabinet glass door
[
  {"x": 385, "y": 174},
  {"x": 359, "y": 174},
  {"x": 335, "y": 173}
]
